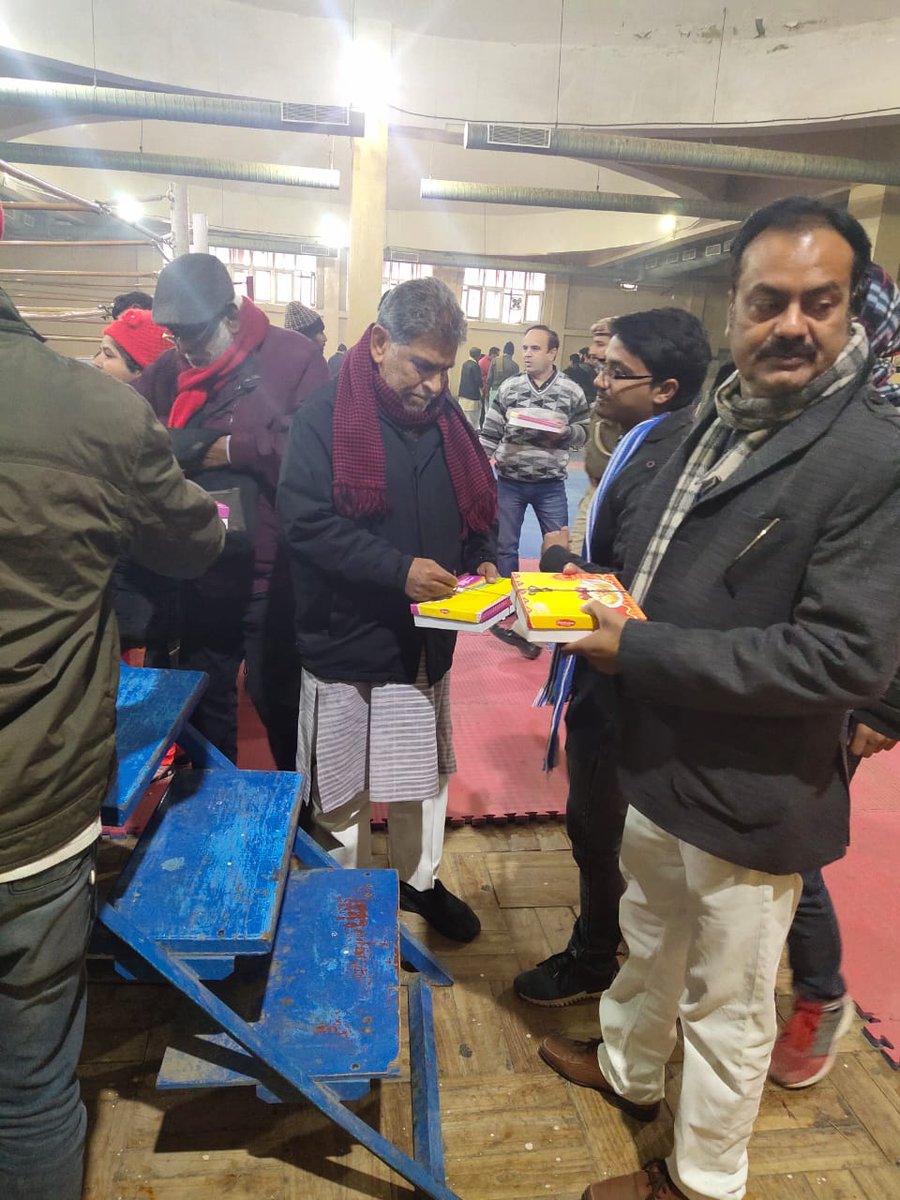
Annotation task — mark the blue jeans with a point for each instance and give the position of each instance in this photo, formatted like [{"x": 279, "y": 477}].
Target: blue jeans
[
  {"x": 814, "y": 943},
  {"x": 45, "y": 923},
  {"x": 548, "y": 499}
]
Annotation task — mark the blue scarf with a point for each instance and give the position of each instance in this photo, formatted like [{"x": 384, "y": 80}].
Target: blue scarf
[{"x": 558, "y": 687}]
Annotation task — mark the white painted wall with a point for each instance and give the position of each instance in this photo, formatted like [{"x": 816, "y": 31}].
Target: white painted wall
[{"x": 635, "y": 63}]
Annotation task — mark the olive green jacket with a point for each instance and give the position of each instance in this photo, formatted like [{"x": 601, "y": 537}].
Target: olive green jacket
[{"x": 86, "y": 473}]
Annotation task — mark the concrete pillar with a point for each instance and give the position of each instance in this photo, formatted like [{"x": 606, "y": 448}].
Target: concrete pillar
[
  {"x": 179, "y": 208},
  {"x": 878, "y": 211},
  {"x": 199, "y": 233},
  {"x": 329, "y": 301},
  {"x": 368, "y": 198},
  {"x": 556, "y": 308}
]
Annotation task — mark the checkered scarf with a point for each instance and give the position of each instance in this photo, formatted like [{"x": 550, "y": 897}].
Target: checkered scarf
[
  {"x": 741, "y": 425},
  {"x": 879, "y": 315}
]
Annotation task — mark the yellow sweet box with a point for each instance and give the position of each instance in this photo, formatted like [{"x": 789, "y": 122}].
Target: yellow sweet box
[
  {"x": 549, "y": 604},
  {"x": 473, "y": 607}
]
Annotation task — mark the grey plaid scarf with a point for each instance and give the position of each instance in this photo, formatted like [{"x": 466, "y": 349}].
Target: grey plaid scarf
[{"x": 741, "y": 426}]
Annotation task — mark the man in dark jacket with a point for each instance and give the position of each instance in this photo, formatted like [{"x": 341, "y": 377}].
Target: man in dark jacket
[
  {"x": 764, "y": 556},
  {"x": 385, "y": 497},
  {"x": 578, "y": 373},
  {"x": 471, "y": 388},
  {"x": 86, "y": 474},
  {"x": 227, "y": 392},
  {"x": 502, "y": 366},
  {"x": 651, "y": 376}
]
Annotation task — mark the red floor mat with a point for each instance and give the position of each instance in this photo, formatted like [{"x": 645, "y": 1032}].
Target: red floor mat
[
  {"x": 499, "y": 738},
  {"x": 867, "y": 899}
]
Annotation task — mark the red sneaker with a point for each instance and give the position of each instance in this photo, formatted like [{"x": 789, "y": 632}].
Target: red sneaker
[{"x": 806, "y": 1049}]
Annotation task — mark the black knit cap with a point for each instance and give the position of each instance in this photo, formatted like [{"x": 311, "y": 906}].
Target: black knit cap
[{"x": 192, "y": 290}]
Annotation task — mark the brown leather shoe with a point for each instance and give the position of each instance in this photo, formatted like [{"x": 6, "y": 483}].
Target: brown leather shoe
[
  {"x": 577, "y": 1062},
  {"x": 650, "y": 1183}
]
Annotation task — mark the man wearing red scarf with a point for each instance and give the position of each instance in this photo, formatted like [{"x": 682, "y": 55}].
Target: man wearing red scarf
[
  {"x": 227, "y": 391},
  {"x": 385, "y": 497}
]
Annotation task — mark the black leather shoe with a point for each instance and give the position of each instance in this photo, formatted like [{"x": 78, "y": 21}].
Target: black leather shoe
[
  {"x": 529, "y": 649},
  {"x": 442, "y": 910}
]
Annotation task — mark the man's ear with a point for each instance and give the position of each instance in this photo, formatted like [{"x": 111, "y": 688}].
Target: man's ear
[
  {"x": 730, "y": 316},
  {"x": 379, "y": 343},
  {"x": 665, "y": 393}
]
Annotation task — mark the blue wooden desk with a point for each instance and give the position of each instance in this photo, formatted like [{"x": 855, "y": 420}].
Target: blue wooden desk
[
  {"x": 152, "y": 709},
  {"x": 210, "y": 880}
]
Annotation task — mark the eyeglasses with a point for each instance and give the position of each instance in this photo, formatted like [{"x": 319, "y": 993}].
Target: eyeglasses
[
  {"x": 192, "y": 335},
  {"x": 615, "y": 375}
]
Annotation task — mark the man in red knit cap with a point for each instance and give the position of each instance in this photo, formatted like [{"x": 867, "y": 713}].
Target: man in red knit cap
[
  {"x": 227, "y": 391},
  {"x": 385, "y": 497}
]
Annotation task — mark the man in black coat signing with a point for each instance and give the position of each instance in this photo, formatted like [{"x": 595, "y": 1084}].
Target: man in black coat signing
[{"x": 385, "y": 497}]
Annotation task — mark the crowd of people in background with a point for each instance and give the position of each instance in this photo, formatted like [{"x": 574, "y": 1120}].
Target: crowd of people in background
[{"x": 709, "y": 748}]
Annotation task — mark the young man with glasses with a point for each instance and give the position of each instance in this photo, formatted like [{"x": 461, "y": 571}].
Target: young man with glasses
[
  {"x": 653, "y": 369},
  {"x": 227, "y": 391}
]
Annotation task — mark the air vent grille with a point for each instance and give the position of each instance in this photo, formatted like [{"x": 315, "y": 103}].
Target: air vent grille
[
  {"x": 713, "y": 251},
  {"x": 405, "y": 256},
  {"x": 318, "y": 250},
  {"x": 315, "y": 114},
  {"x": 688, "y": 255},
  {"x": 519, "y": 135}
]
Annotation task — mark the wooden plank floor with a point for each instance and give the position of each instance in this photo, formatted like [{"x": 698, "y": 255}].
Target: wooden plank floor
[{"x": 513, "y": 1130}]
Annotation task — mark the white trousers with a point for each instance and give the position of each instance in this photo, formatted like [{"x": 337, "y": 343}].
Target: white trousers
[
  {"x": 704, "y": 938},
  {"x": 415, "y": 834}
]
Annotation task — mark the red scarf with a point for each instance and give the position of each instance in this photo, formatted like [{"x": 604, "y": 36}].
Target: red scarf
[
  {"x": 360, "y": 482},
  {"x": 196, "y": 385}
]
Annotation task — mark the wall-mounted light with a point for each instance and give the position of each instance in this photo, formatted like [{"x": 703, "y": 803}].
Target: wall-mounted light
[
  {"x": 128, "y": 207},
  {"x": 334, "y": 230},
  {"x": 368, "y": 77},
  {"x": 628, "y": 285},
  {"x": 668, "y": 223}
]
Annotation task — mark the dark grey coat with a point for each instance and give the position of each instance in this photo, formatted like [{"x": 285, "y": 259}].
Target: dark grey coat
[{"x": 736, "y": 689}]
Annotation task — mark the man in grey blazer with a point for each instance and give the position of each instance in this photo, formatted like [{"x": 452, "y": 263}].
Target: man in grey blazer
[{"x": 765, "y": 559}]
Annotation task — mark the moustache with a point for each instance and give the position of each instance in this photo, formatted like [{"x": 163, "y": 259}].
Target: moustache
[{"x": 779, "y": 349}]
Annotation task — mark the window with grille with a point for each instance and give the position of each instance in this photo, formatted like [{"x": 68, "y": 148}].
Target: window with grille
[
  {"x": 503, "y": 297},
  {"x": 277, "y": 278},
  {"x": 399, "y": 272}
]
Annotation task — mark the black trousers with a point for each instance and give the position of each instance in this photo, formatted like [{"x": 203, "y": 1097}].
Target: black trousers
[
  {"x": 595, "y": 818},
  {"x": 217, "y": 634}
]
